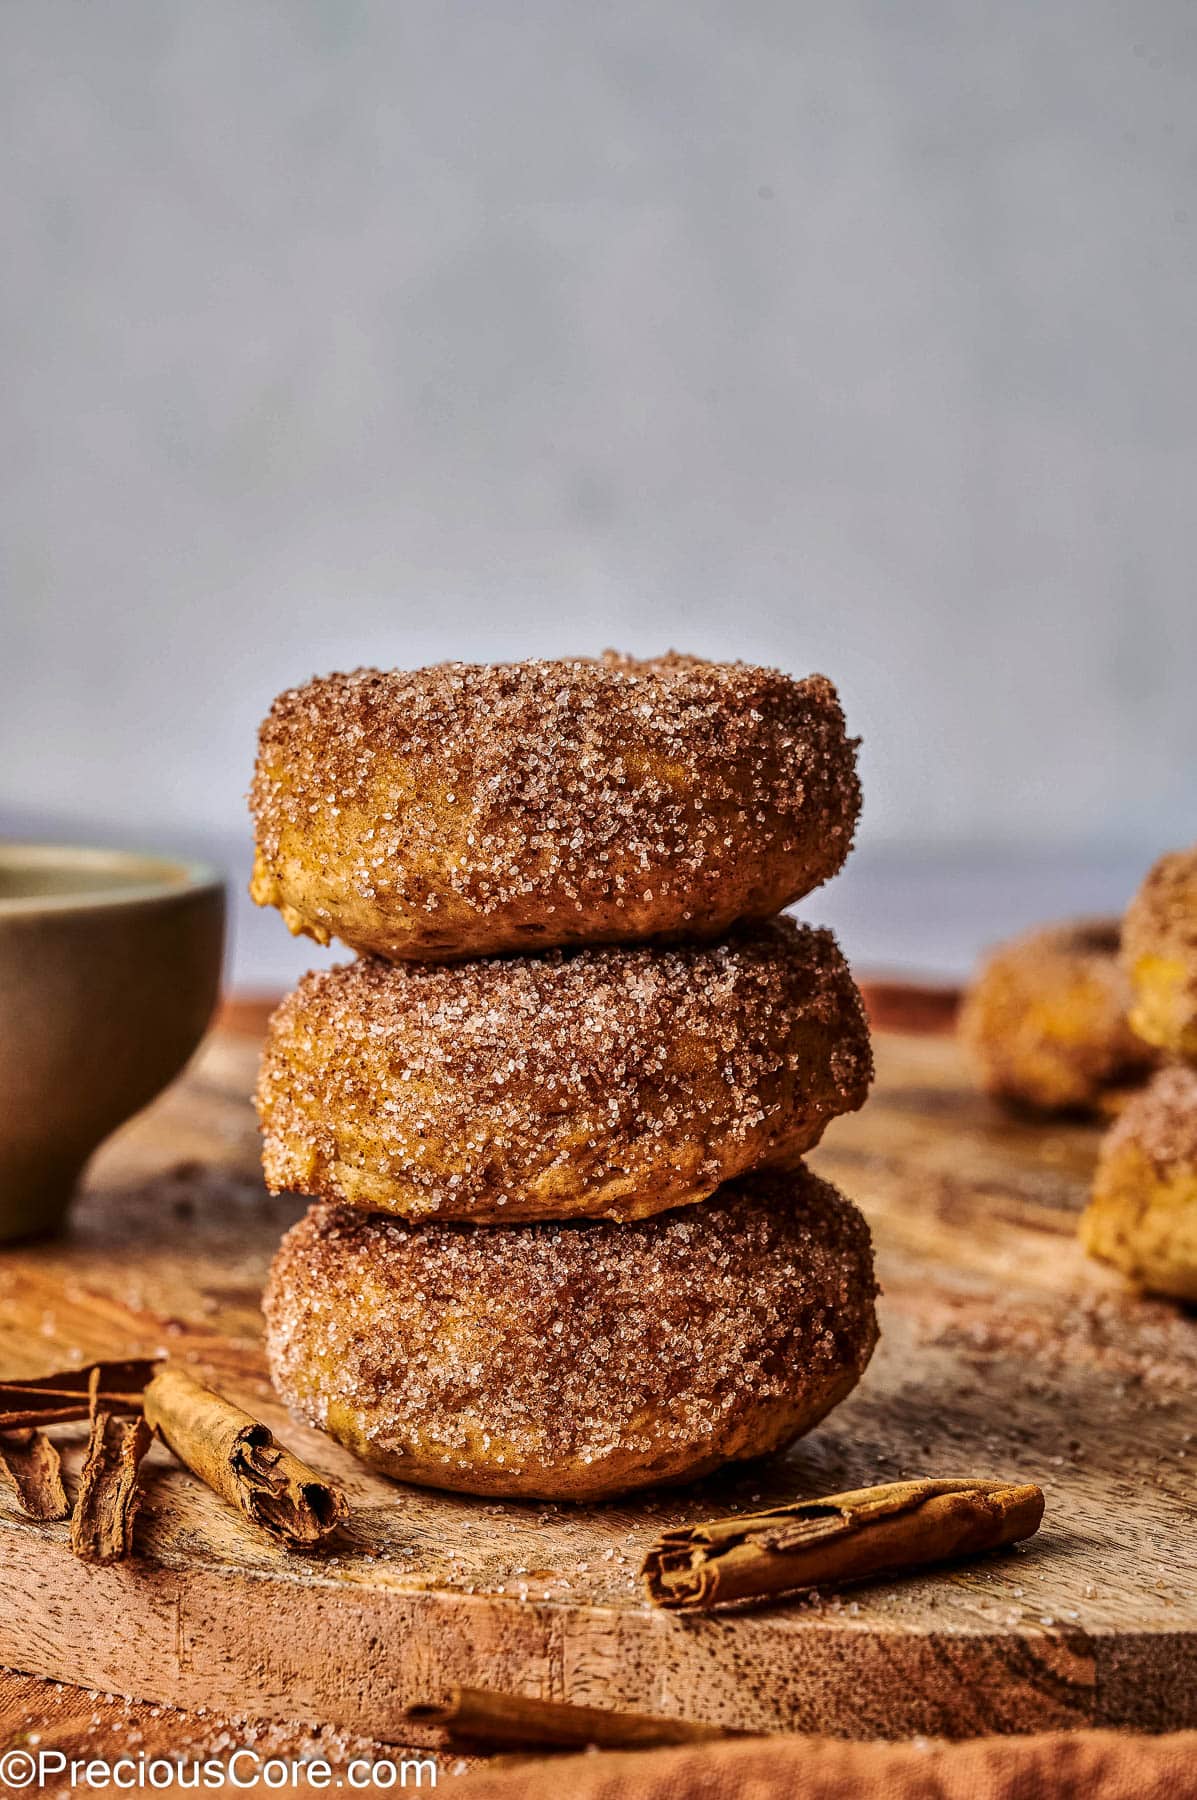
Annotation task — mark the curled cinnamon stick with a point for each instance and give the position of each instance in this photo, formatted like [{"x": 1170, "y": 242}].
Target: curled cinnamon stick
[
  {"x": 240, "y": 1460},
  {"x": 109, "y": 1490},
  {"x": 831, "y": 1542},
  {"x": 34, "y": 1468},
  {"x": 479, "y": 1716}
]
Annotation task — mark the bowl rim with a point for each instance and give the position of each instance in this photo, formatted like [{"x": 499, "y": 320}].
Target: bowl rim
[{"x": 165, "y": 877}]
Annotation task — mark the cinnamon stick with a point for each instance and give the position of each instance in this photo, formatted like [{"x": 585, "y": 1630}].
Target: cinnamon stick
[
  {"x": 479, "y": 1716},
  {"x": 109, "y": 1490},
  {"x": 240, "y": 1460},
  {"x": 34, "y": 1468},
  {"x": 834, "y": 1541},
  {"x": 64, "y": 1398}
]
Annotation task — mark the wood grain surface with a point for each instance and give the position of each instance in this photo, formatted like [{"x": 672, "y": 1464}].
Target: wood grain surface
[
  {"x": 1004, "y": 1353},
  {"x": 82, "y": 1725}
]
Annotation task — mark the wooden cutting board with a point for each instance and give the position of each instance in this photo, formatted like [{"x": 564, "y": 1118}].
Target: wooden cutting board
[{"x": 1004, "y": 1352}]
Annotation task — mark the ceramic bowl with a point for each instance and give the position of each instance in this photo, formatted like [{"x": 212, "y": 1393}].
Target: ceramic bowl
[{"x": 109, "y": 973}]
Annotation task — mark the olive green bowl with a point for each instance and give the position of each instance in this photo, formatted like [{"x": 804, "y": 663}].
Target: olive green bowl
[{"x": 109, "y": 973}]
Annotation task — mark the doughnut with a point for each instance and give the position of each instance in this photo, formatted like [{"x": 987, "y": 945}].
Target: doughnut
[
  {"x": 609, "y": 1082},
  {"x": 1159, "y": 941},
  {"x": 469, "y": 809},
  {"x": 579, "y": 1360},
  {"x": 1045, "y": 1021},
  {"x": 1143, "y": 1213}
]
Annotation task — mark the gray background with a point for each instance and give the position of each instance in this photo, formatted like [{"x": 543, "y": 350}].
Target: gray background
[{"x": 853, "y": 337}]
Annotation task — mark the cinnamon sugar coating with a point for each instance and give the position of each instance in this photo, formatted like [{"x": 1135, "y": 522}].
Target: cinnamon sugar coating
[
  {"x": 1045, "y": 1022},
  {"x": 466, "y": 809},
  {"x": 1159, "y": 940},
  {"x": 1143, "y": 1212},
  {"x": 609, "y": 1082},
  {"x": 580, "y": 1360}
]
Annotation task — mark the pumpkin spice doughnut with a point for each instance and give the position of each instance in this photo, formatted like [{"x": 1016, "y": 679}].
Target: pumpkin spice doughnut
[
  {"x": 610, "y": 1082},
  {"x": 466, "y": 809},
  {"x": 1159, "y": 939},
  {"x": 580, "y": 1360},
  {"x": 1046, "y": 1019},
  {"x": 1143, "y": 1213}
]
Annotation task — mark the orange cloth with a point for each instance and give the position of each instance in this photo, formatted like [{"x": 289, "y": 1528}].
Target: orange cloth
[{"x": 1081, "y": 1765}]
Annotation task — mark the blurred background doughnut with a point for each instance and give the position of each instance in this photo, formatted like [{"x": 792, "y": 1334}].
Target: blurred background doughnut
[
  {"x": 1160, "y": 948},
  {"x": 1143, "y": 1213},
  {"x": 1045, "y": 1020}
]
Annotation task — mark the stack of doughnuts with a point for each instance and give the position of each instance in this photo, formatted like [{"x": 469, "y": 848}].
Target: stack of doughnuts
[
  {"x": 1142, "y": 1215},
  {"x": 552, "y": 1119}
]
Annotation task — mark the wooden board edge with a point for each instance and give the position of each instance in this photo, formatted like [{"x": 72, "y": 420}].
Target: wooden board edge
[{"x": 358, "y": 1657}]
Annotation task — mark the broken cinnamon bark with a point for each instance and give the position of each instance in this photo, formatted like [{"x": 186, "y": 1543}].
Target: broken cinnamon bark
[
  {"x": 239, "y": 1459},
  {"x": 34, "y": 1468},
  {"x": 109, "y": 1489},
  {"x": 65, "y": 1398},
  {"x": 29, "y": 1458},
  {"x": 834, "y": 1541}
]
